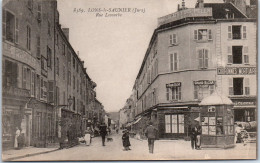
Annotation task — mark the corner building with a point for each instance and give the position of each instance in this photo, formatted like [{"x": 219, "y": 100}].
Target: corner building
[{"x": 191, "y": 54}]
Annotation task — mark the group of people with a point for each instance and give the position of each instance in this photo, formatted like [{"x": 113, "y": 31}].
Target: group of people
[
  {"x": 195, "y": 137},
  {"x": 151, "y": 133}
]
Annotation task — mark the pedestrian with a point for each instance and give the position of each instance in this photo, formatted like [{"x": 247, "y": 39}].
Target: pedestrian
[
  {"x": 198, "y": 136},
  {"x": 87, "y": 136},
  {"x": 193, "y": 137},
  {"x": 103, "y": 133},
  {"x": 117, "y": 130},
  {"x": 151, "y": 134},
  {"x": 125, "y": 140},
  {"x": 238, "y": 136},
  {"x": 17, "y": 134}
]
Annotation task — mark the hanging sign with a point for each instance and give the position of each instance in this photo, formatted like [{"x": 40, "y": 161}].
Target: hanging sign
[
  {"x": 175, "y": 84},
  {"x": 204, "y": 82}
]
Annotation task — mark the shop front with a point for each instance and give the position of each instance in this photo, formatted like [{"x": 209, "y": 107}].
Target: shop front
[{"x": 13, "y": 111}]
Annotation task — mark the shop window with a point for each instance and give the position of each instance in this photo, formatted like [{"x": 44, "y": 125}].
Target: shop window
[{"x": 174, "y": 123}]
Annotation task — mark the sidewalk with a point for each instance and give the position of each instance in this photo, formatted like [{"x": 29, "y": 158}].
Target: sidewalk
[{"x": 13, "y": 154}]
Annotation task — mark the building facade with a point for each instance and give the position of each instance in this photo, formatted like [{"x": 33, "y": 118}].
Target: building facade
[
  {"x": 45, "y": 83},
  {"x": 193, "y": 53}
]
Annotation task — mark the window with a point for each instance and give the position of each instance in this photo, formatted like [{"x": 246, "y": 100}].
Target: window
[
  {"x": 43, "y": 89},
  {"x": 173, "y": 93},
  {"x": 10, "y": 27},
  {"x": 174, "y": 62},
  {"x": 174, "y": 123},
  {"x": 69, "y": 78},
  {"x": 49, "y": 28},
  {"x": 237, "y": 54},
  {"x": 230, "y": 15},
  {"x": 48, "y": 57},
  {"x": 39, "y": 12},
  {"x": 28, "y": 43},
  {"x": 237, "y": 32},
  {"x": 43, "y": 64},
  {"x": 203, "y": 34},
  {"x": 51, "y": 92},
  {"x": 202, "y": 91},
  {"x": 203, "y": 58},
  {"x": 236, "y": 86},
  {"x": 173, "y": 39},
  {"x": 38, "y": 53},
  {"x": 58, "y": 66},
  {"x": 11, "y": 73},
  {"x": 33, "y": 84}
]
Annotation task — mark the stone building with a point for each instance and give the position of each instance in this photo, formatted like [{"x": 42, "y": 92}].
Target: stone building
[
  {"x": 193, "y": 53},
  {"x": 44, "y": 80}
]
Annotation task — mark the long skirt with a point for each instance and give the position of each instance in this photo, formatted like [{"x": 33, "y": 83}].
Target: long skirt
[
  {"x": 87, "y": 138},
  {"x": 16, "y": 142}
]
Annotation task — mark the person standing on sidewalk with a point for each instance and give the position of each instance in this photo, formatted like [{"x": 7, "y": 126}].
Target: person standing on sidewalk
[
  {"x": 198, "y": 136},
  {"x": 193, "y": 137},
  {"x": 103, "y": 133},
  {"x": 151, "y": 134},
  {"x": 126, "y": 141},
  {"x": 17, "y": 134}
]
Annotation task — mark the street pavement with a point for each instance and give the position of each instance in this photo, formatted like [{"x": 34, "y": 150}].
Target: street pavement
[{"x": 164, "y": 150}]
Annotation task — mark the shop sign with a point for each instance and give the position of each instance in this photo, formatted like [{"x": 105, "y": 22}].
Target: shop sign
[
  {"x": 18, "y": 54},
  {"x": 204, "y": 82},
  {"x": 175, "y": 84},
  {"x": 244, "y": 103},
  {"x": 190, "y": 12},
  {"x": 236, "y": 71}
]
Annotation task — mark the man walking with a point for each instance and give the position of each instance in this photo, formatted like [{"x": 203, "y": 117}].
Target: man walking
[
  {"x": 151, "y": 134},
  {"x": 103, "y": 133}
]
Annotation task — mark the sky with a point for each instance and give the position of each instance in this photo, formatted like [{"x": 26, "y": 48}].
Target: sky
[{"x": 113, "y": 48}]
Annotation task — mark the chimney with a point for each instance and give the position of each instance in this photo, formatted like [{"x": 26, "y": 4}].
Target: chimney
[
  {"x": 66, "y": 32},
  {"x": 201, "y": 3}
]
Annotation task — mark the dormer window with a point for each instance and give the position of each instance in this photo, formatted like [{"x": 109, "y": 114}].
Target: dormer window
[{"x": 230, "y": 15}]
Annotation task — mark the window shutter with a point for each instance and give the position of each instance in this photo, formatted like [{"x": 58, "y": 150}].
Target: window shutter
[
  {"x": 244, "y": 32},
  {"x": 230, "y": 57},
  {"x": 171, "y": 62},
  {"x": 209, "y": 34},
  {"x": 200, "y": 58},
  {"x": 4, "y": 23},
  {"x": 167, "y": 94},
  {"x": 51, "y": 92},
  {"x": 246, "y": 56},
  {"x": 24, "y": 77},
  {"x": 171, "y": 41},
  {"x": 229, "y": 32},
  {"x": 231, "y": 91},
  {"x": 195, "y": 34},
  {"x": 16, "y": 30},
  {"x": 247, "y": 88},
  {"x": 174, "y": 38},
  {"x": 179, "y": 88},
  {"x": 196, "y": 92},
  {"x": 206, "y": 58}
]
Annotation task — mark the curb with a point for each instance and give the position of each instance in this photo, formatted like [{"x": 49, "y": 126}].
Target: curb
[{"x": 29, "y": 155}]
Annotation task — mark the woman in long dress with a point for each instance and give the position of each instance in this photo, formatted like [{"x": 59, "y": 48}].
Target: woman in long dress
[
  {"x": 17, "y": 134},
  {"x": 87, "y": 136}
]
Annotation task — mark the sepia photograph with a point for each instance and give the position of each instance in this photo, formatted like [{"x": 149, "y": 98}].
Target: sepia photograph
[{"x": 129, "y": 80}]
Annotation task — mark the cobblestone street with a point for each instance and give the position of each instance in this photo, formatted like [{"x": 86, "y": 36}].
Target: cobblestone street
[{"x": 164, "y": 150}]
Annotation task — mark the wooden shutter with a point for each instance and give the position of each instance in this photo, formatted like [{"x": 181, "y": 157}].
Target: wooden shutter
[
  {"x": 247, "y": 86},
  {"x": 167, "y": 94},
  {"x": 200, "y": 56},
  {"x": 4, "y": 23},
  {"x": 206, "y": 58},
  {"x": 244, "y": 32},
  {"x": 209, "y": 34},
  {"x": 229, "y": 32},
  {"x": 16, "y": 30},
  {"x": 179, "y": 91},
  {"x": 195, "y": 34},
  {"x": 171, "y": 39},
  {"x": 245, "y": 53},
  {"x": 196, "y": 92},
  {"x": 231, "y": 90},
  {"x": 51, "y": 91},
  {"x": 230, "y": 57},
  {"x": 174, "y": 38}
]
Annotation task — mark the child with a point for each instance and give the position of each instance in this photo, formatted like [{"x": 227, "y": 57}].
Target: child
[{"x": 125, "y": 139}]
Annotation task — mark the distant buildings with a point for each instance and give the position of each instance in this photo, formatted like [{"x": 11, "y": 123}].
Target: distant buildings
[
  {"x": 45, "y": 84},
  {"x": 193, "y": 53}
]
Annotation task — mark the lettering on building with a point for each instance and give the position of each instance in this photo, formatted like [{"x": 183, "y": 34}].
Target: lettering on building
[{"x": 237, "y": 71}]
